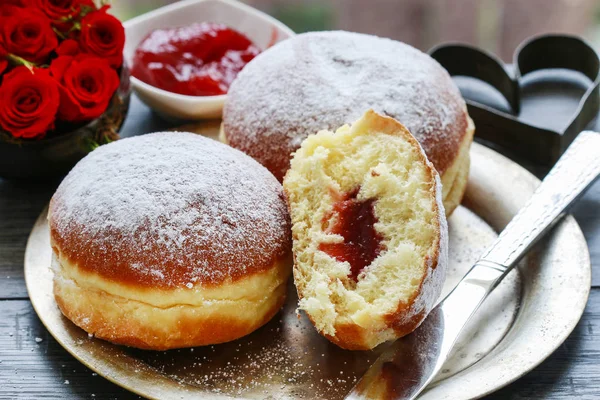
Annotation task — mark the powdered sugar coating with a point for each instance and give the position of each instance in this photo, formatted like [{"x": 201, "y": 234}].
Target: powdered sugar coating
[
  {"x": 170, "y": 210},
  {"x": 322, "y": 80}
]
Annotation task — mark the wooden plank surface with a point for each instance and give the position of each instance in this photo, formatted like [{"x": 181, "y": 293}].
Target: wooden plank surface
[
  {"x": 587, "y": 214},
  {"x": 20, "y": 205},
  {"x": 34, "y": 366}
]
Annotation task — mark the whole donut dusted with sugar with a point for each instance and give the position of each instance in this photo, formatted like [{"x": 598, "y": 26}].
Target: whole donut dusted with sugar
[
  {"x": 169, "y": 240},
  {"x": 322, "y": 80}
]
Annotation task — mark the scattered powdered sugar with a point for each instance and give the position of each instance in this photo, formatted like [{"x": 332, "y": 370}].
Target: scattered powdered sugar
[
  {"x": 285, "y": 359},
  {"x": 169, "y": 209},
  {"x": 322, "y": 80}
]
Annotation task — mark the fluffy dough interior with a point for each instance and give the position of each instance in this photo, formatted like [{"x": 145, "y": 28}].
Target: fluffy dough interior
[{"x": 389, "y": 169}]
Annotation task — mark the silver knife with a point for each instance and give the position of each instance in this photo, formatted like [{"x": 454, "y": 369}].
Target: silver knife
[{"x": 406, "y": 368}]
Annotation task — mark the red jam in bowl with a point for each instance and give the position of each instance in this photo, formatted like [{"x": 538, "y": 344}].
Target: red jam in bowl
[
  {"x": 196, "y": 60},
  {"x": 356, "y": 224}
]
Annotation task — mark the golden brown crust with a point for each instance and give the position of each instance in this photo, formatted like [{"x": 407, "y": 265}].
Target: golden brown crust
[
  {"x": 350, "y": 337},
  {"x": 191, "y": 330},
  {"x": 354, "y": 337},
  {"x": 117, "y": 266},
  {"x": 157, "y": 319},
  {"x": 454, "y": 180},
  {"x": 442, "y": 145}
]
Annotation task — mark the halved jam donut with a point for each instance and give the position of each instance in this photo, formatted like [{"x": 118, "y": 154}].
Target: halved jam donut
[{"x": 369, "y": 230}]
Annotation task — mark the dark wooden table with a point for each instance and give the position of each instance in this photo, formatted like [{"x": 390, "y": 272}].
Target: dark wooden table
[{"x": 34, "y": 365}]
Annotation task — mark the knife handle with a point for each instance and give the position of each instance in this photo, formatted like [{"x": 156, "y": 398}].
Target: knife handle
[{"x": 576, "y": 170}]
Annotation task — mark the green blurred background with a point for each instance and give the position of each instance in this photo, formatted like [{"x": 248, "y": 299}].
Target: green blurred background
[{"x": 496, "y": 25}]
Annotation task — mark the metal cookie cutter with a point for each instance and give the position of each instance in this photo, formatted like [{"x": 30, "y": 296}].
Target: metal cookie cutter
[{"x": 540, "y": 145}]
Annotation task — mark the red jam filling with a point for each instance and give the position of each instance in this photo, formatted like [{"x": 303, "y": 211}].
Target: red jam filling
[
  {"x": 196, "y": 60},
  {"x": 355, "y": 223}
]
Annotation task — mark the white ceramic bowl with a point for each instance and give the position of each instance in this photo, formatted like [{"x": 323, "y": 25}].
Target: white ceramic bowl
[{"x": 262, "y": 29}]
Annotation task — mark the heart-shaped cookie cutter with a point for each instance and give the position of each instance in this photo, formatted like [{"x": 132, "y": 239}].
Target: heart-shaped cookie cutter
[{"x": 540, "y": 145}]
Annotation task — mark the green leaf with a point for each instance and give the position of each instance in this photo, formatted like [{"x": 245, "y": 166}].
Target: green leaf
[
  {"x": 59, "y": 33},
  {"x": 16, "y": 60},
  {"x": 85, "y": 10},
  {"x": 91, "y": 144}
]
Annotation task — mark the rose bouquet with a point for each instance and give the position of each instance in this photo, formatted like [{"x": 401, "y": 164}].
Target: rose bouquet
[
  {"x": 64, "y": 88},
  {"x": 61, "y": 64}
]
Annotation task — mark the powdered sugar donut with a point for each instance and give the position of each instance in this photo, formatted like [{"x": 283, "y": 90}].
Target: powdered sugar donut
[
  {"x": 169, "y": 240},
  {"x": 322, "y": 80}
]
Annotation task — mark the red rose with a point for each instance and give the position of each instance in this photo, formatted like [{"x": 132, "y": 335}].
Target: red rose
[
  {"x": 3, "y": 62},
  {"x": 28, "y": 102},
  {"x": 103, "y": 35},
  {"x": 86, "y": 85},
  {"x": 28, "y": 34},
  {"x": 68, "y": 47},
  {"x": 19, "y": 3},
  {"x": 58, "y": 9},
  {"x": 8, "y": 10}
]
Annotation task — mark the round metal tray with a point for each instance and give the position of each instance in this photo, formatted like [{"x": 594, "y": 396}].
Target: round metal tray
[{"x": 529, "y": 315}]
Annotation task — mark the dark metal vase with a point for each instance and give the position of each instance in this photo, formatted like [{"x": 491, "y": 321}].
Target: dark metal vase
[{"x": 56, "y": 154}]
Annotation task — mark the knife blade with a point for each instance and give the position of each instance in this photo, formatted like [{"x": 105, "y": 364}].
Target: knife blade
[{"x": 405, "y": 369}]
